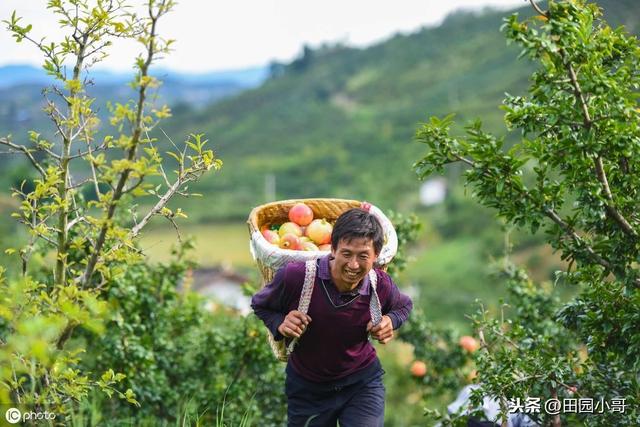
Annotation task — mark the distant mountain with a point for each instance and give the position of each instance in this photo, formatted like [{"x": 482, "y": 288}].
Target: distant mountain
[
  {"x": 13, "y": 75},
  {"x": 22, "y": 100}
]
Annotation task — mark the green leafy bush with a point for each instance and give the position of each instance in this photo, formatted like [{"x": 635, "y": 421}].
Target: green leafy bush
[{"x": 175, "y": 353}]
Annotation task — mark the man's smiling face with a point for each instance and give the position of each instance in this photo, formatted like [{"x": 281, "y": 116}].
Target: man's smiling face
[{"x": 352, "y": 260}]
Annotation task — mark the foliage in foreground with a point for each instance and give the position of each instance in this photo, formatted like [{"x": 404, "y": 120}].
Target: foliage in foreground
[
  {"x": 83, "y": 229},
  {"x": 175, "y": 354},
  {"x": 573, "y": 176}
]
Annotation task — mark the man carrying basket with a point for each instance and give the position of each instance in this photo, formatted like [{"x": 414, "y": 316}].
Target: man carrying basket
[{"x": 333, "y": 374}]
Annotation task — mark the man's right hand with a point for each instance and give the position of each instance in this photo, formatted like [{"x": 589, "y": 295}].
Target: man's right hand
[{"x": 294, "y": 324}]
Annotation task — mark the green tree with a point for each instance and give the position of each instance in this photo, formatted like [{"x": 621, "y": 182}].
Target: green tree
[
  {"x": 77, "y": 249},
  {"x": 574, "y": 176}
]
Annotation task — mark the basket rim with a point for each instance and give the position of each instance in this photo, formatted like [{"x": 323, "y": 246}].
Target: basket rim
[
  {"x": 253, "y": 215},
  {"x": 273, "y": 257}
]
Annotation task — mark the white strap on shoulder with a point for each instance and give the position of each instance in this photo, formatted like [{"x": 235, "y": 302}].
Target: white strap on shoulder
[
  {"x": 374, "y": 305},
  {"x": 310, "y": 268}
]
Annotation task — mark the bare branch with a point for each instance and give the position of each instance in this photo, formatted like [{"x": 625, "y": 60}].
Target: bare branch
[
  {"x": 26, "y": 152},
  {"x": 93, "y": 168},
  {"x": 133, "y": 186},
  {"x": 81, "y": 154},
  {"x": 75, "y": 221},
  {"x": 170, "y": 140},
  {"x": 40, "y": 235},
  {"x": 79, "y": 184},
  {"x": 64, "y": 97},
  {"x": 26, "y": 254},
  {"x": 162, "y": 171},
  {"x": 175, "y": 226},
  {"x": 156, "y": 209},
  {"x": 537, "y": 8},
  {"x": 465, "y": 160},
  {"x": 97, "y": 49}
]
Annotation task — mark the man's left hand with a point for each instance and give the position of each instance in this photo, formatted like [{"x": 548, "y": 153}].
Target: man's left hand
[{"x": 383, "y": 331}]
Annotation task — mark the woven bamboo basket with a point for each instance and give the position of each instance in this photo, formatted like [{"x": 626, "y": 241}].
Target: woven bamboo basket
[{"x": 270, "y": 258}]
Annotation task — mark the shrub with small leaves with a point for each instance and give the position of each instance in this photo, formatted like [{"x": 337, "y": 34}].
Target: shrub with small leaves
[{"x": 175, "y": 353}]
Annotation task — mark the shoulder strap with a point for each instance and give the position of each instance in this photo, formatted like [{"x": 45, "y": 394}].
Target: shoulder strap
[
  {"x": 307, "y": 287},
  {"x": 310, "y": 268},
  {"x": 374, "y": 305}
]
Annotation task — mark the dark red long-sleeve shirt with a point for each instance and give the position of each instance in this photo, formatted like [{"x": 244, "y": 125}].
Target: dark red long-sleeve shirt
[{"x": 335, "y": 343}]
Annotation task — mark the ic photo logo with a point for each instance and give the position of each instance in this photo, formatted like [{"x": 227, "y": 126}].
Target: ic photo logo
[{"x": 13, "y": 415}]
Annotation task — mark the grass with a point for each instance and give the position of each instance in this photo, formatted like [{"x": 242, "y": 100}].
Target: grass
[{"x": 215, "y": 244}]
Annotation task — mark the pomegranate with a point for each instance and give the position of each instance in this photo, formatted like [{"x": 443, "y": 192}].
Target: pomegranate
[{"x": 301, "y": 214}]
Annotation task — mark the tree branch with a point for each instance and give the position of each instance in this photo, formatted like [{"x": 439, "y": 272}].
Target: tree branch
[
  {"x": 132, "y": 187},
  {"x": 80, "y": 154},
  {"x": 26, "y": 152},
  {"x": 550, "y": 213},
  {"x": 613, "y": 213},
  {"x": 577, "y": 90},
  {"x": 600, "y": 172},
  {"x": 537, "y": 8},
  {"x": 157, "y": 208},
  {"x": 117, "y": 194},
  {"x": 571, "y": 233},
  {"x": 465, "y": 160},
  {"x": 93, "y": 168}
]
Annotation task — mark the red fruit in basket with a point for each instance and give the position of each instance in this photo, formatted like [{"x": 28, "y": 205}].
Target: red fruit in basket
[
  {"x": 290, "y": 228},
  {"x": 271, "y": 236},
  {"x": 325, "y": 247},
  {"x": 290, "y": 241},
  {"x": 309, "y": 246},
  {"x": 301, "y": 214},
  {"x": 319, "y": 231}
]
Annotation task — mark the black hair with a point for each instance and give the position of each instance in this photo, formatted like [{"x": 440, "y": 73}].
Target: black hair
[{"x": 357, "y": 223}]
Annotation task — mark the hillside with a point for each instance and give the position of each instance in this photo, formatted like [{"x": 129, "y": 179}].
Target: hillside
[{"x": 339, "y": 121}]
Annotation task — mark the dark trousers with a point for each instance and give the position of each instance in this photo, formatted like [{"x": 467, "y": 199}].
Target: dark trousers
[{"x": 357, "y": 404}]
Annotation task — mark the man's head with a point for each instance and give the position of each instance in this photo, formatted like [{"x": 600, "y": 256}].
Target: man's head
[
  {"x": 356, "y": 242},
  {"x": 357, "y": 223}
]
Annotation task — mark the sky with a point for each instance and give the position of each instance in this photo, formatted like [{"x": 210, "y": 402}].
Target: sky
[{"x": 234, "y": 34}]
